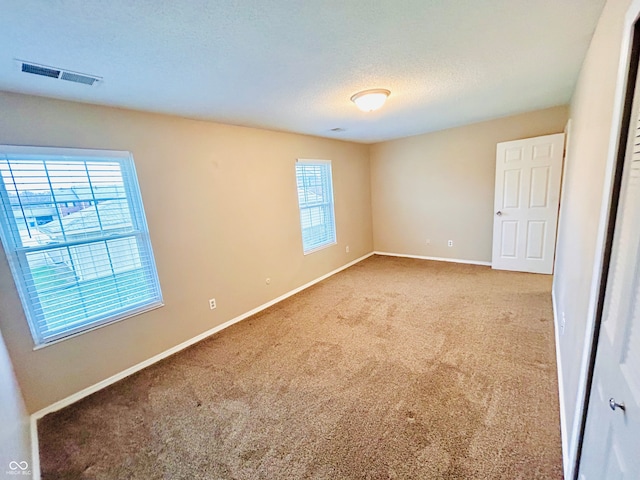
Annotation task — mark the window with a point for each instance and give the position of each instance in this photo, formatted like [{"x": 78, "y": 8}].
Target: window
[
  {"x": 315, "y": 197},
  {"x": 74, "y": 231}
]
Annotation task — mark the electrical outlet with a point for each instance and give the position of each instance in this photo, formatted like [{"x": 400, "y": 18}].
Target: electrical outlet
[
  {"x": 347, "y": 249},
  {"x": 268, "y": 281},
  {"x": 428, "y": 241},
  {"x": 212, "y": 303},
  {"x": 450, "y": 243}
]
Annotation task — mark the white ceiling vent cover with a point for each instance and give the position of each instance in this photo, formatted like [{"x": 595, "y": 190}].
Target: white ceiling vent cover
[
  {"x": 58, "y": 73},
  {"x": 79, "y": 78}
]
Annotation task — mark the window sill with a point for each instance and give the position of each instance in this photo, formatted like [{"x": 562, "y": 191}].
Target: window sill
[
  {"x": 96, "y": 327},
  {"x": 321, "y": 247}
]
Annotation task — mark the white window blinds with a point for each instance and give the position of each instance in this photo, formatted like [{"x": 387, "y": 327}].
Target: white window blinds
[
  {"x": 315, "y": 198},
  {"x": 74, "y": 231}
]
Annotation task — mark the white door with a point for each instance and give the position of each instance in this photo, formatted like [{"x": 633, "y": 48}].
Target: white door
[
  {"x": 611, "y": 445},
  {"x": 527, "y": 197}
]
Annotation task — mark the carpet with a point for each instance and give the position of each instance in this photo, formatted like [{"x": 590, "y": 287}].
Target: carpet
[{"x": 392, "y": 369}]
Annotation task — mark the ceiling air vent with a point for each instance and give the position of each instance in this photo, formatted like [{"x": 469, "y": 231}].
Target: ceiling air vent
[
  {"x": 38, "y": 70},
  {"x": 59, "y": 73},
  {"x": 79, "y": 78}
]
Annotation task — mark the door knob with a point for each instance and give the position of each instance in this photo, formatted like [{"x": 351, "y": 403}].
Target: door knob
[
  {"x": 613, "y": 404},
  {"x": 499, "y": 213}
]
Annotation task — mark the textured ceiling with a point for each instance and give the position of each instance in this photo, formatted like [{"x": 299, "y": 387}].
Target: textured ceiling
[{"x": 293, "y": 64}]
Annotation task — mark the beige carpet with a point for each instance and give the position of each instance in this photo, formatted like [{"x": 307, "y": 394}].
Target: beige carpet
[{"x": 392, "y": 369}]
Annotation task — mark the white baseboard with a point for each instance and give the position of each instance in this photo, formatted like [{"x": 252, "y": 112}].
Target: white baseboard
[
  {"x": 437, "y": 259},
  {"x": 131, "y": 370},
  {"x": 563, "y": 413}
]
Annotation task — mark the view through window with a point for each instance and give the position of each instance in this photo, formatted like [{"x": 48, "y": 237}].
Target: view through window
[
  {"x": 315, "y": 198},
  {"x": 74, "y": 230}
]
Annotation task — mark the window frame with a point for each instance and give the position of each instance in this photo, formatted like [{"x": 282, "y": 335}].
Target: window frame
[
  {"x": 16, "y": 254},
  {"x": 330, "y": 205}
]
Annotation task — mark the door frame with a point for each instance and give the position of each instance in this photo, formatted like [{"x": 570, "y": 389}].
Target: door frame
[{"x": 625, "y": 86}]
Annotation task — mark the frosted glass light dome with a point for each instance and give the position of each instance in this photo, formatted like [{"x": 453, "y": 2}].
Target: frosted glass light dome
[{"x": 370, "y": 100}]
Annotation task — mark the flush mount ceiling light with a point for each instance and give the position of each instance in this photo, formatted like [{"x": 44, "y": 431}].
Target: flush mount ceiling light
[{"x": 370, "y": 100}]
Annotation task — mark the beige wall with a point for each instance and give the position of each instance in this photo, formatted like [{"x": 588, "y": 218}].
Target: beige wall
[
  {"x": 15, "y": 445},
  {"x": 439, "y": 186},
  {"x": 221, "y": 204},
  {"x": 591, "y": 117}
]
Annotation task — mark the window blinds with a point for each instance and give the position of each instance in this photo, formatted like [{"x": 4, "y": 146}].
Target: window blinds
[
  {"x": 315, "y": 198},
  {"x": 74, "y": 230}
]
